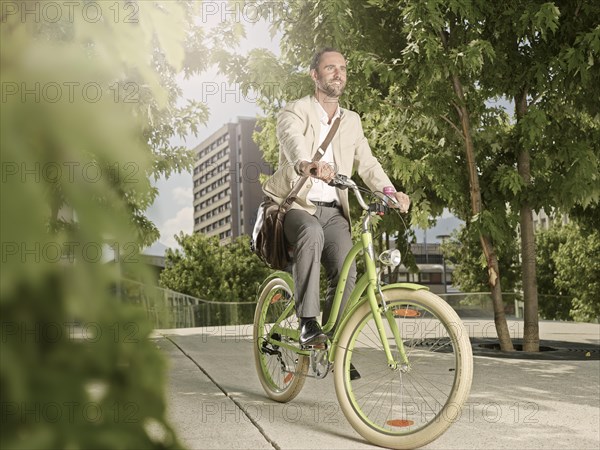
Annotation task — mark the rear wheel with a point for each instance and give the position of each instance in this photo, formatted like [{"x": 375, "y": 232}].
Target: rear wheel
[
  {"x": 412, "y": 405},
  {"x": 281, "y": 371}
]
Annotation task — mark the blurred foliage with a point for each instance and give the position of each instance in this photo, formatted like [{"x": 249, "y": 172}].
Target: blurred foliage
[
  {"x": 578, "y": 268},
  {"x": 569, "y": 273},
  {"x": 89, "y": 106},
  {"x": 207, "y": 270},
  {"x": 554, "y": 303},
  {"x": 568, "y": 269}
]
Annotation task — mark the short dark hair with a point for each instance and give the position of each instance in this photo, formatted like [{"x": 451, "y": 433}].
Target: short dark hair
[{"x": 316, "y": 59}]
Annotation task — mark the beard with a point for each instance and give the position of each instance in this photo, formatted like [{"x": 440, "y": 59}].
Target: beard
[{"x": 331, "y": 88}]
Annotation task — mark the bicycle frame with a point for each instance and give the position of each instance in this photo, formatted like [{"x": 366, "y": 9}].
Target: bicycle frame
[{"x": 368, "y": 282}]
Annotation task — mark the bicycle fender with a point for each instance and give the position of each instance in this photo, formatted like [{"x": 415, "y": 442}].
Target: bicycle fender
[
  {"x": 411, "y": 286},
  {"x": 285, "y": 276},
  {"x": 363, "y": 300}
]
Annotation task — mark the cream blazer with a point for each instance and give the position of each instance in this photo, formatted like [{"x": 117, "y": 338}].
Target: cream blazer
[{"x": 298, "y": 132}]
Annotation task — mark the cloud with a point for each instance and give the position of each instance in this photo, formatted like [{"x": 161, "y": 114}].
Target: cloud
[
  {"x": 183, "y": 221},
  {"x": 183, "y": 196}
]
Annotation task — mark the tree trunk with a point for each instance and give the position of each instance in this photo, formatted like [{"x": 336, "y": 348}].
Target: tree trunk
[
  {"x": 496, "y": 292},
  {"x": 531, "y": 335},
  {"x": 476, "y": 208}
]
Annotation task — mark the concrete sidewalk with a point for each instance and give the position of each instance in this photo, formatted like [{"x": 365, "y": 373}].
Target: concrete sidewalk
[{"x": 216, "y": 401}]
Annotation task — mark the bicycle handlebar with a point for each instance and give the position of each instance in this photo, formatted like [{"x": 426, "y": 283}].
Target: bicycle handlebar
[{"x": 344, "y": 182}]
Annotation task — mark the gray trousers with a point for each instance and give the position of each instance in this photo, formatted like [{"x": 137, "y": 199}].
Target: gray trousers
[{"x": 320, "y": 238}]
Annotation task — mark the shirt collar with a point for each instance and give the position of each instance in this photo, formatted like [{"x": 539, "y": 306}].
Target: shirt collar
[{"x": 323, "y": 116}]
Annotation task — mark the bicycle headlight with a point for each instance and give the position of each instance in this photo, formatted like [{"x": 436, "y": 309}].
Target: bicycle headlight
[{"x": 390, "y": 258}]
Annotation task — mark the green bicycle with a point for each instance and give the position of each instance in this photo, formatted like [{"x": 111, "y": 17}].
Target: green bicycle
[{"x": 411, "y": 348}]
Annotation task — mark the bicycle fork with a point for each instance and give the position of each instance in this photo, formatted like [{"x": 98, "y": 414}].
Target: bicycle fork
[{"x": 377, "y": 310}]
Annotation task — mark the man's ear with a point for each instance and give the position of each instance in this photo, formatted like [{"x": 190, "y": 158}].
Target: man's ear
[{"x": 313, "y": 74}]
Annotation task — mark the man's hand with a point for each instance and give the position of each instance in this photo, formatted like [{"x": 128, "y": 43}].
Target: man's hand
[
  {"x": 319, "y": 169},
  {"x": 403, "y": 202}
]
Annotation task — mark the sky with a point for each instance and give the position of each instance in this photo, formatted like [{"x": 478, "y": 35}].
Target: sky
[{"x": 172, "y": 211}]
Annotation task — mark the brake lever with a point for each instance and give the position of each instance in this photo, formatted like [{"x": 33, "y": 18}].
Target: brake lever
[
  {"x": 389, "y": 200},
  {"x": 379, "y": 209},
  {"x": 339, "y": 182}
]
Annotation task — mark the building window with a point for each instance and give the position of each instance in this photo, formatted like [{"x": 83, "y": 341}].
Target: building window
[{"x": 435, "y": 278}]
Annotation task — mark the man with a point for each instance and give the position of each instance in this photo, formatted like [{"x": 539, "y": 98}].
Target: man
[{"x": 318, "y": 224}]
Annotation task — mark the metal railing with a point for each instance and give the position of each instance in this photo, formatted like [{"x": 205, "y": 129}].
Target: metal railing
[
  {"x": 166, "y": 308},
  {"x": 170, "y": 309}
]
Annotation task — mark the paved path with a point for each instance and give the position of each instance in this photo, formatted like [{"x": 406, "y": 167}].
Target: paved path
[{"x": 215, "y": 399}]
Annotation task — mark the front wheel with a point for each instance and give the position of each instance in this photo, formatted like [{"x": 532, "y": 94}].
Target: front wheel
[
  {"x": 280, "y": 369},
  {"x": 413, "y": 404}
]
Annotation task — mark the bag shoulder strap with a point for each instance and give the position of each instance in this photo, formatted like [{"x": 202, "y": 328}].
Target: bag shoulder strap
[
  {"x": 291, "y": 198},
  {"x": 323, "y": 147}
]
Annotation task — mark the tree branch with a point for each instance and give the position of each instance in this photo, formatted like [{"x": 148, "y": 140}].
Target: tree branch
[{"x": 453, "y": 125}]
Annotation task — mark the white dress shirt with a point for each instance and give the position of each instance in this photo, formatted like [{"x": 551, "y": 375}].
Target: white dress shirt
[{"x": 321, "y": 191}]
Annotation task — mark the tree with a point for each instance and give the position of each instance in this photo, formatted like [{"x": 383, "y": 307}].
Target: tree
[
  {"x": 88, "y": 109},
  {"x": 543, "y": 61},
  {"x": 205, "y": 269}
]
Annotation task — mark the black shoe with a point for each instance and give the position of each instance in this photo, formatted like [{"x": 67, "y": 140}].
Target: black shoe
[
  {"x": 311, "y": 333},
  {"x": 354, "y": 375}
]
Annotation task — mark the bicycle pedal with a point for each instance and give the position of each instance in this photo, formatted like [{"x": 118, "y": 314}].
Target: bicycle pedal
[{"x": 318, "y": 346}]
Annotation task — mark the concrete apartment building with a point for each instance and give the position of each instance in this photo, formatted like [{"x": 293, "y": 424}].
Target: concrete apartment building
[{"x": 227, "y": 189}]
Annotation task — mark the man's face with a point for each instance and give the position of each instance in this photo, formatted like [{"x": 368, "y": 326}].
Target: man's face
[{"x": 330, "y": 77}]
